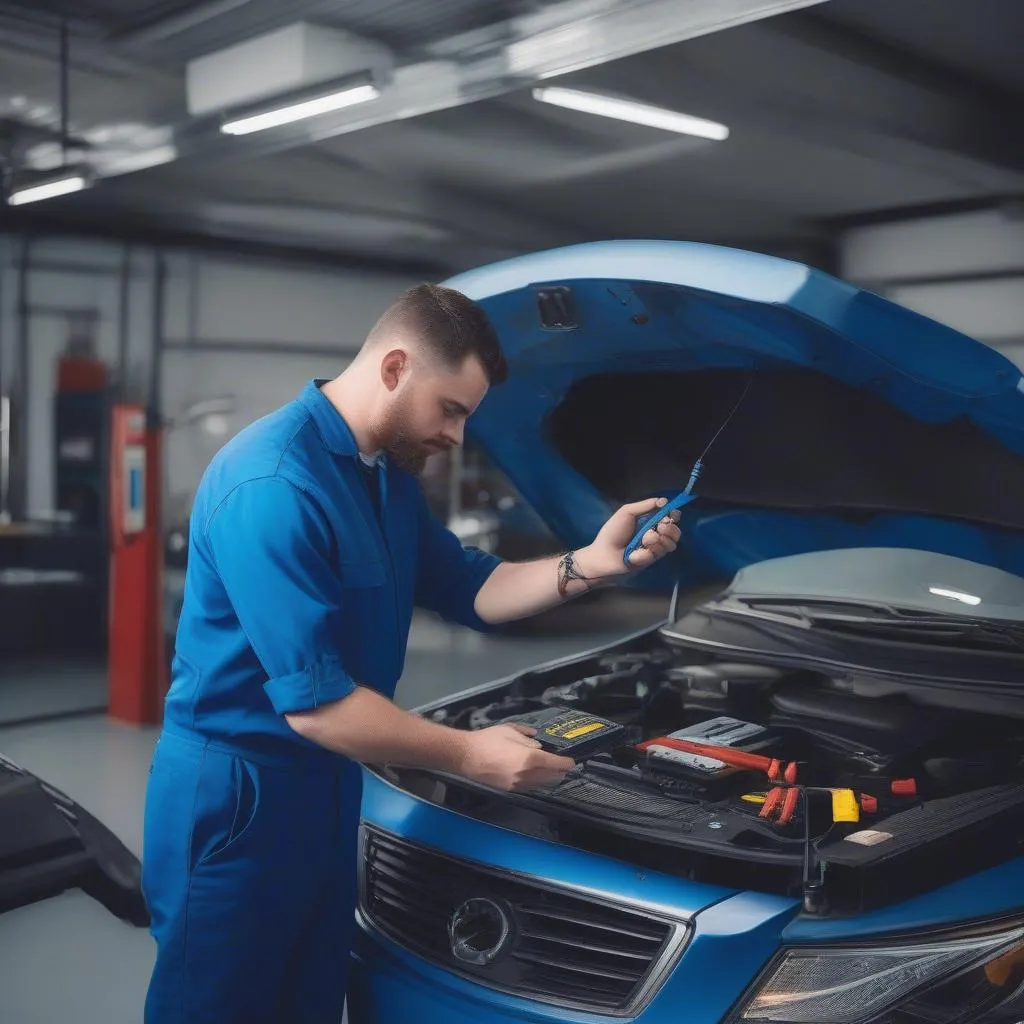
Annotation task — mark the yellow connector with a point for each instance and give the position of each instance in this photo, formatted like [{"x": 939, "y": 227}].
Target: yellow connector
[{"x": 845, "y": 806}]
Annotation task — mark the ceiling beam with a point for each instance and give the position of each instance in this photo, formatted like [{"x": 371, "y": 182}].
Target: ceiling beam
[
  {"x": 89, "y": 53},
  {"x": 49, "y": 13},
  {"x": 840, "y": 100},
  {"x": 931, "y": 105},
  {"x": 172, "y": 231},
  {"x": 1012, "y": 205},
  {"x": 361, "y": 188},
  {"x": 171, "y": 25},
  {"x": 567, "y": 35},
  {"x": 819, "y": 29},
  {"x": 475, "y": 219}
]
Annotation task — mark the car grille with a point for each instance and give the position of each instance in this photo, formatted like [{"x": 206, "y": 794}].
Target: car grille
[{"x": 562, "y": 948}]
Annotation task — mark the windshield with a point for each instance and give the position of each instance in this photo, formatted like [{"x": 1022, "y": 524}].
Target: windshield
[{"x": 882, "y": 580}]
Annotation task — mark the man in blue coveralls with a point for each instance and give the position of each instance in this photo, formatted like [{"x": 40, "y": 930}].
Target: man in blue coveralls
[{"x": 310, "y": 544}]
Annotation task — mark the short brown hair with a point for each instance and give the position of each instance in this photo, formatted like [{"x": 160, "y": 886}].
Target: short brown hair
[{"x": 451, "y": 324}]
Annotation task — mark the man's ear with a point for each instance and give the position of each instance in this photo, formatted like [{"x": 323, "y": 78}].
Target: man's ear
[{"x": 393, "y": 368}]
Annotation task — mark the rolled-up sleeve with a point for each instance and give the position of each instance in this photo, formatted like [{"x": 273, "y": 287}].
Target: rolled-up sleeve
[
  {"x": 272, "y": 548},
  {"x": 449, "y": 576}
]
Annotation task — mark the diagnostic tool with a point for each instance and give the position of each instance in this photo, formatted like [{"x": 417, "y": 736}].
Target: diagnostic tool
[
  {"x": 572, "y": 733},
  {"x": 651, "y": 521},
  {"x": 685, "y": 496}
]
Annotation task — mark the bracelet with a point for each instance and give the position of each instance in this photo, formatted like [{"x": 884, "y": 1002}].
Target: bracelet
[{"x": 567, "y": 571}]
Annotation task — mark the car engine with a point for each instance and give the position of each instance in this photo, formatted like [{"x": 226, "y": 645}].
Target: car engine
[{"x": 768, "y": 765}]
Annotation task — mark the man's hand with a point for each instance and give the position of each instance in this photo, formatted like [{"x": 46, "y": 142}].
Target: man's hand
[
  {"x": 366, "y": 727},
  {"x": 604, "y": 558},
  {"x": 505, "y": 757},
  {"x": 517, "y": 589}
]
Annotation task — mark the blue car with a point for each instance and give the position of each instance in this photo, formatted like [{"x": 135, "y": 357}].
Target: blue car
[{"x": 800, "y": 797}]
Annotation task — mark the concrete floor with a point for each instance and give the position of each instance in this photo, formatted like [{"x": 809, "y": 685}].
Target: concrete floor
[{"x": 67, "y": 959}]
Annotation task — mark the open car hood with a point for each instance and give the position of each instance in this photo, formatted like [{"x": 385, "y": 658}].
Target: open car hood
[
  {"x": 49, "y": 844},
  {"x": 865, "y": 424}
]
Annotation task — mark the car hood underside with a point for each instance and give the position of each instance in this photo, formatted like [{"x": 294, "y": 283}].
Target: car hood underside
[{"x": 854, "y": 422}]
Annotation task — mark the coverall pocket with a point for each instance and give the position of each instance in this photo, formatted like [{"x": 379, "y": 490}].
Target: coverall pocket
[{"x": 225, "y": 819}]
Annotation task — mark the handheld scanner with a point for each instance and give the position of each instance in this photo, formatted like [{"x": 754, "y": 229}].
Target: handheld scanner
[{"x": 652, "y": 520}]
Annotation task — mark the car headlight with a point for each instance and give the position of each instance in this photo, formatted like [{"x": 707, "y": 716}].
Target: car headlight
[{"x": 970, "y": 979}]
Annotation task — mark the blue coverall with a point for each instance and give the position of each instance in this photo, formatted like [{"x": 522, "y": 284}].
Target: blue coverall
[{"x": 293, "y": 593}]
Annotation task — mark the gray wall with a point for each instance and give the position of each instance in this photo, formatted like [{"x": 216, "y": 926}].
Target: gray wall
[
  {"x": 219, "y": 313},
  {"x": 255, "y": 332},
  {"x": 965, "y": 270}
]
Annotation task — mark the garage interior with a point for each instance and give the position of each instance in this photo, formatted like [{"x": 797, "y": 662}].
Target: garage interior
[{"x": 202, "y": 277}]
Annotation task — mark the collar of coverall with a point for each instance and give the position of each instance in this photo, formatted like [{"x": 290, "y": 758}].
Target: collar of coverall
[{"x": 332, "y": 426}]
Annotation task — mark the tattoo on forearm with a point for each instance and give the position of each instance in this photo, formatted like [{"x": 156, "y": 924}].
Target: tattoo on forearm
[{"x": 568, "y": 571}]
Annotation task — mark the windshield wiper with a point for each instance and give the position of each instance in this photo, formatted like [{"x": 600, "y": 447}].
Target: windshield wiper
[
  {"x": 882, "y": 621},
  {"x": 977, "y": 634}
]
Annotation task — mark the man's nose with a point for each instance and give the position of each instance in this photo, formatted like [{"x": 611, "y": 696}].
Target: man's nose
[{"x": 453, "y": 435}]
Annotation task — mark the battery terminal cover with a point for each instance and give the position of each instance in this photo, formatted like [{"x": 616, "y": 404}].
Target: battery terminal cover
[{"x": 719, "y": 732}]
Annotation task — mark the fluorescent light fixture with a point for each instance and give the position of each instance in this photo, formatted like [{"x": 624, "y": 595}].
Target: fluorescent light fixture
[
  {"x": 955, "y": 595},
  {"x": 629, "y": 110},
  {"x": 64, "y": 186},
  {"x": 287, "y": 111}
]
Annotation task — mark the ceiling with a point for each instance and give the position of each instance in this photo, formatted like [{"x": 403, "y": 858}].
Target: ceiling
[{"x": 839, "y": 112}]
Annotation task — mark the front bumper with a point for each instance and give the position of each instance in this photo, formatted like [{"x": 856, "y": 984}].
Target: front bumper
[
  {"x": 732, "y": 935},
  {"x": 733, "y": 941}
]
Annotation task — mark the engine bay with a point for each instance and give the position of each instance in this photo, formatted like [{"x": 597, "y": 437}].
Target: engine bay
[{"x": 826, "y": 780}]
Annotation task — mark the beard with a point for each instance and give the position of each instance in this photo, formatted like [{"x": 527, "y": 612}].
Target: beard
[
  {"x": 408, "y": 455},
  {"x": 401, "y": 446}
]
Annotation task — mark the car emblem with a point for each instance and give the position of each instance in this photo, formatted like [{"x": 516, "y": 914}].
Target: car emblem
[{"x": 478, "y": 931}]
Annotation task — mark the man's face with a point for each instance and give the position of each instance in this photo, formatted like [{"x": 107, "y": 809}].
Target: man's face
[{"x": 427, "y": 407}]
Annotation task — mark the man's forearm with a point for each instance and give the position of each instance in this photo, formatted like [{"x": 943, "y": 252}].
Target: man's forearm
[
  {"x": 517, "y": 590},
  {"x": 369, "y": 728}
]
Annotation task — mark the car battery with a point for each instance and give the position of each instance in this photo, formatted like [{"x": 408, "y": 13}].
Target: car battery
[
  {"x": 708, "y": 774},
  {"x": 572, "y": 733}
]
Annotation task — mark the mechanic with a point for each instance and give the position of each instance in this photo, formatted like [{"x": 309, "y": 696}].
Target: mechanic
[{"x": 310, "y": 543}]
